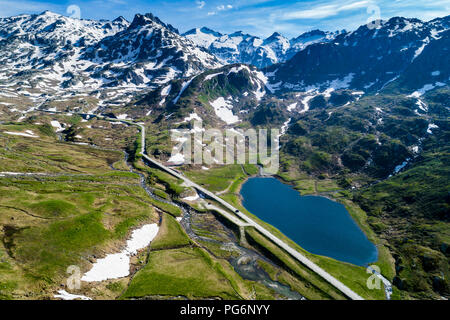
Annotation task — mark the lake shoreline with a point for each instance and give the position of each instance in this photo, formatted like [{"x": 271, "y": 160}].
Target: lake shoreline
[
  {"x": 373, "y": 238},
  {"x": 324, "y": 208}
]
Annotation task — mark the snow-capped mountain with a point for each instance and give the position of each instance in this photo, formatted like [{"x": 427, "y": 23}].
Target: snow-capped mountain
[
  {"x": 369, "y": 59},
  {"x": 308, "y": 38},
  {"x": 31, "y": 42},
  {"x": 278, "y": 44},
  {"x": 48, "y": 54},
  {"x": 49, "y": 57},
  {"x": 203, "y": 37},
  {"x": 147, "y": 52},
  {"x": 50, "y": 28},
  {"x": 224, "y": 96},
  {"x": 244, "y": 48},
  {"x": 234, "y": 48}
]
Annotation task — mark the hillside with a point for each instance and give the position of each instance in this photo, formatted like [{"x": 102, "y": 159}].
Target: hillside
[{"x": 363, "y": 118}]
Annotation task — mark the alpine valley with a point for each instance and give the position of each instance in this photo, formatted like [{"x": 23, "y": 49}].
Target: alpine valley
[{"x": 364, "y": 120}]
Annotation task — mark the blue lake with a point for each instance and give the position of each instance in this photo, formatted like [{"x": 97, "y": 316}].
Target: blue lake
[{"x": 319, "y": 225}]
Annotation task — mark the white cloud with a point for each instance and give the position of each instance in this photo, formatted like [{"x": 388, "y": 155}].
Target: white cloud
[
  {"x": 10, "y": 8},
  {"x": 200, "y": 4},
  {"x": 224, "y": 7},
  {"x": 324, "y": 11}
]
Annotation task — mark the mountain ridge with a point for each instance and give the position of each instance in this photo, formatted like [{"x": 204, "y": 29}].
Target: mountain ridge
[{"x": 239, "y": 47}]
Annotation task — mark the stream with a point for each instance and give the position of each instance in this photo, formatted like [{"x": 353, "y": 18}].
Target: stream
[{"x": 244, "y": 262}]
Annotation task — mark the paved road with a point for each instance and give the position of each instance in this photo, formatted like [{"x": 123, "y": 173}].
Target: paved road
[
  {"x": 227, "y": 215},
  {"x": 304, "y": 260},
  {"x": 297, "y": 255}
]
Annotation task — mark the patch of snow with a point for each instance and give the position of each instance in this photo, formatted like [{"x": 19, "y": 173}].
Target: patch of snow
[
  {"x": 370, "y": 85},
  {"x": 285, "y": 127},
  {"x": 431, "y": 126},
  {"x": 183, "y": 88},
  {"x": 261, "y": 92},
  {"x": 192, "y": 116},
  {"x": 343, "y": 83},
  {"x": 113, "y": 266},
  {"x": 211, "y": 76},
  {"x": 422, "y": 106},
  {"x": 435, "y": 73},
  {"x": 224, "y": 110},
  {"x": 419, "y": 51},
  {"x": 64, "y": 295},
  {"x": 141, "y": 238},
  {"x": 55, "y": 124},
  {"x": 193, "y": 198},
  {"x": 28, "y": 134},
  {"x": 305, "y": 102},
  {"x": 292, "y": 107},
  {"x": 117, "y": 265},
  {"x": 176, "y": 159},
  {"x": 20, "y": 173},
  {"x": 239, "y": 69},
  {"x": 424, "y": 89},
  {"x": 166, "y": 90}
]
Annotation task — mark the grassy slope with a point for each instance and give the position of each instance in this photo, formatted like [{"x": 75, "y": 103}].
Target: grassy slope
[
  {"x": 44, "y": 154},
  {"x": 188, "y": 272},
  {"x": 171, "y": 185},
  {"x": 415, "y": 203},
  {"x": 409, "y": 210},
  {"x": 51, "y": 222},
  {"x": 79, "y": 218},
  {"x": 170, "y": 235},
  {"x": 59, "y": 219},
  {"x": 353, "y": 276},
  {"x": 216, "y": 179}
]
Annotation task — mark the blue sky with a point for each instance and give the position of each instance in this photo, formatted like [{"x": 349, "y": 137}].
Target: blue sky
[{"x": 259, "y": 17}]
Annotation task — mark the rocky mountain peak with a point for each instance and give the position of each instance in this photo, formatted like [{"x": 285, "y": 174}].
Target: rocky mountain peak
[
  {"x": 149, "y": 19},
  {"x": 121, "y": 20},
  {"x": 275, "y": 35}
]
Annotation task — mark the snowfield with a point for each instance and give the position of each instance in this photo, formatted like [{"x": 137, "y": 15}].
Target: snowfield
[
  {"x": 58, "y": 127},
  {"x": 224, "y": 110},
  {"x": 28, "y": 134},
  {"x": 424, "y": 89},
  {"x": 431, "y": 126},
  {"x": 193, "y": 198},
  {"x": 192, "y": 116},
  {"x": 176, "y": 159},
  {"x": 117, "y": 265},
  {"x": 64, "y": 295}
]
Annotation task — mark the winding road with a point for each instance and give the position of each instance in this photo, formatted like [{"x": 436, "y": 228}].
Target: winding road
[
  {"x": 248, "y": 221},
  {"x": 297, "y": 255}
]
